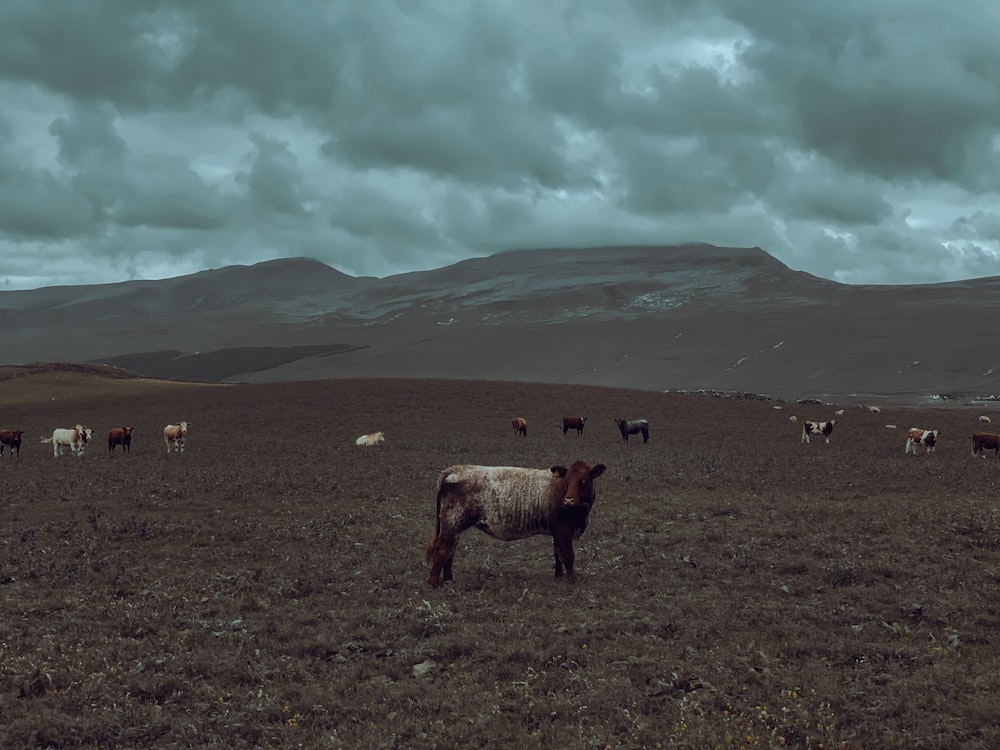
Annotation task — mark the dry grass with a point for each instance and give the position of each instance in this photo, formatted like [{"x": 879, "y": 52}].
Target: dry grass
[
  {"x": 267, "y": 588},
  {"x": 50, "y": 381}
]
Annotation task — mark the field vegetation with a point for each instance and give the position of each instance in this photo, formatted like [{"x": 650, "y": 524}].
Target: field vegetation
[{"x": 267, "y": 588}]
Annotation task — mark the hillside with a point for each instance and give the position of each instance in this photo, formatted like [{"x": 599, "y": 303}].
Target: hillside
[{"x": 694, "y": 317}]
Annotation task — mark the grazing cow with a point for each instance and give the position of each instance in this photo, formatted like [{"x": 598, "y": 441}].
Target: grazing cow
[
  {"x": 11, "y": 439},
  {"x": 510, "y": 503},
  {"x": 793, "y": 419},
  {"x": 374, "y": 439},
  {"x": 984, "y": 419},
  {"x": 120, "y": 436},
  {"x": 633, "y": 427},
  {"x": 874, "y": 410},
  {"x": 520, "y": 425},
  {"x": 985, "y": 441},
  {"x": 817, "y": 428},
  {"x": 75, "y": 439},
  {"x": 890, "y": 427},
  {"x": 174, "y": 436},
  {"x": 839, "y": 413},
  {"x": 573, "y": 423},
  {"x": 916, "y": 436}
]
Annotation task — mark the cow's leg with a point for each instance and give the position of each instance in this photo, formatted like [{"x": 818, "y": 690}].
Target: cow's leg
[
  {"x": 563, "y": 548},
  {"x": 442, "y": 554}
]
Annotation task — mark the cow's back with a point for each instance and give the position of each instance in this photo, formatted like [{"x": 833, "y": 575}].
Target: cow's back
[{"x": 506, "y": 502}]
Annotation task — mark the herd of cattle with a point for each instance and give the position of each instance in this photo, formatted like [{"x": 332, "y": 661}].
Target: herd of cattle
[
  {"x": 76, "y": 439},
  {"x": 506, "y": 502},
  {"x": 510, "y": 503},
  {"x": 915, "y": 436}
]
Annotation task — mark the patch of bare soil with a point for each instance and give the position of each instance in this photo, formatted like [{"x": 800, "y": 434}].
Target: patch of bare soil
[{"x": 267, "y": 587}]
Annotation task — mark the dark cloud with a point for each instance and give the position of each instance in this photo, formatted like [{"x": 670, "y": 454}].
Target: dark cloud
[{"x": 854, "y": 140}]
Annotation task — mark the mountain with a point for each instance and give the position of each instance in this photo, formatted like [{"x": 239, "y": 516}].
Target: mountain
[{"x": 694, "y": 317}]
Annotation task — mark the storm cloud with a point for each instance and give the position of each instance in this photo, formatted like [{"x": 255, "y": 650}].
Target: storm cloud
[{"x": 857, "y": 141}]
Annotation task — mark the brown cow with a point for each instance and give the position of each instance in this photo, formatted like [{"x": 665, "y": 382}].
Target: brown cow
[
  {"x": 508, "y": 503},
  {"x": 174, "y": 436},
  {"x": 11, "y": 439},
  {"x": 520, "y": 425},
  {"x": 984, "y": 441},
  {"x": 573, "y": 423},
  {"x": 120, "y": 436}
]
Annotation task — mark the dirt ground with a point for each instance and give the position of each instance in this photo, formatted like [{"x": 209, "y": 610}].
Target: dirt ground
[{"x": 267, "y": 587}]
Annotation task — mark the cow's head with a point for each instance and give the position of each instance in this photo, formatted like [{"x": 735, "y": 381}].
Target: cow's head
[{"x": 579, "y": 482}]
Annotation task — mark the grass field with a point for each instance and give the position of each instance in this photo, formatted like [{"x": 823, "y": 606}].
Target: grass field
[{"x": 267, "y": 587}]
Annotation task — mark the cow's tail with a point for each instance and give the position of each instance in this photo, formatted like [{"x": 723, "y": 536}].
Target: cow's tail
[
  {"x": 429, "y": 551},
  {"x": 47, "y": 440}
]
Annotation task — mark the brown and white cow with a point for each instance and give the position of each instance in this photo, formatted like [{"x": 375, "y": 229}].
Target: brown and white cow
[
  {"x": 573, "y": 423},
  {"x": 817, "y": 428},
  {"x": 75, "y": 438},
  {"x": 174, "y": 436},
  {"x": 985, "y": 441},
  {"x": 11, "y": 439},
  {"x": 916, "y": 436},
  {"x": 509, "y": 502},
  {"x": 369, "y": 440},
  {"x": 520, "y": 425},
  {"x": 120, "y": 436}
]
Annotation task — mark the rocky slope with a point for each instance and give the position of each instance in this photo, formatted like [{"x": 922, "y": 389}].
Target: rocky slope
[{"x": 694, "y": 317}]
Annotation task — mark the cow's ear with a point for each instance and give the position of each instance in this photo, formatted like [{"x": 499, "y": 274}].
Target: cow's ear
[
  {"x": 597, "y": 471},
  {"x": 559, "y": 471}
]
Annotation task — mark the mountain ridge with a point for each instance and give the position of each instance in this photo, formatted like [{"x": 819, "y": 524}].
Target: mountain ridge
[{"x": 691, "y": 317}]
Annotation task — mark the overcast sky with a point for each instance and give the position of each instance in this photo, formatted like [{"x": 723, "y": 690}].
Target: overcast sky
[{"x": 855, "y": 140}]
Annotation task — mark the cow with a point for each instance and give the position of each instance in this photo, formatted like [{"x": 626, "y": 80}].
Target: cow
[
  {"x": 633, "y": 427},
  {"x": 984, "y": 441},
  {"x": 874, "y": 410},
  {"x": 75, "y": 438},
  {"x": 520, "y": 425},
  {"x": 793, "y": 419},
  {"x": 984, "y": 419},
  {"x": 839, "y": 413},
  {"x": 817, "y": 428},
  {"x": 573, "y": 423},
  {"x": 374, "y": 439},
  {"x": 120, "y": 436},
  {"x": 175, "y": 435},
  {"x": 508, "y": 503},
  {"x": 916, "y": 436},
  {"x": 11, "y": 439}
]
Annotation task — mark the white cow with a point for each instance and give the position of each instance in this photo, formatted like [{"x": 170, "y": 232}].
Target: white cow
[
  {"x": 75, "y": 439},
  {"x": 374, "y": 439},
  {"x": 174, "y": 436}
]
